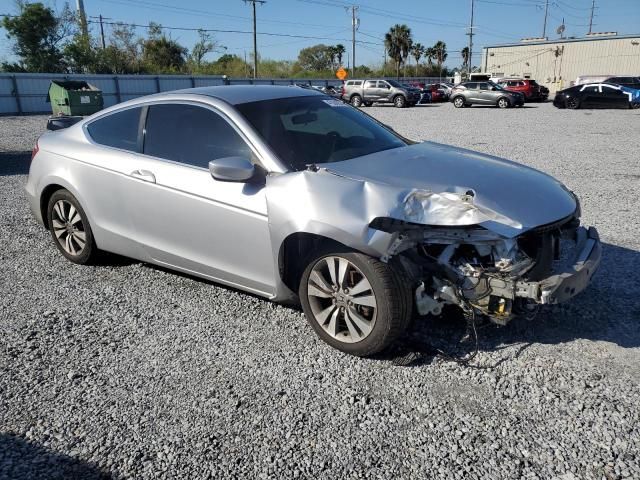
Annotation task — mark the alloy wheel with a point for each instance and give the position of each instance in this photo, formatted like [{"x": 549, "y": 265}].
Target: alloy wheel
[
  {"x": 68, "y": 228},
  {"x": 342, "y": 299},
  {"x": 458, "y": 102}
]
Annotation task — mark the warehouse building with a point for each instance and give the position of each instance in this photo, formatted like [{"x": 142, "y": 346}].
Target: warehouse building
[{"x": 557, "y": 63}]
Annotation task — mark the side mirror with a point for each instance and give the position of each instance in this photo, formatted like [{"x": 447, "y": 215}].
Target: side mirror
[
  {"x": 494, "y": 89},
  {"x": 232, "y": 169}
]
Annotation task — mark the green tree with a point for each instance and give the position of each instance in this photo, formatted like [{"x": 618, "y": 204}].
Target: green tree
[
  {"x": 465, "y": 58},
  {"x": 37, "y": 33},
  {"x": 418, "y": 50},
  {"x": 205, "y": 44},
  {"x": 440, "y": 49},
  {"x": 398, "y": 43},
  {"x": 316, "y": 58},
  {"x": 161, "y": 54},
  {"x": 340, "y": 51}
]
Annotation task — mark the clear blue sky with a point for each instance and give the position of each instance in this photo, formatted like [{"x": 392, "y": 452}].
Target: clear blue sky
[{"x": 497, "y": 21}]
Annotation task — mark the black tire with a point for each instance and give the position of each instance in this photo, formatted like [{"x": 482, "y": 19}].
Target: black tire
[
  {"x": 356, "y": 100},
  {"x": 399, "y": 101},
  {"x": 458, "y": 102},
  {"x": 393, "y": 302},
  {"x": 367, "y": 104},
  {"x": 572, "y": 103},
  {"x": 503, "y": 102},
  {"x": 85, "y": 254}
]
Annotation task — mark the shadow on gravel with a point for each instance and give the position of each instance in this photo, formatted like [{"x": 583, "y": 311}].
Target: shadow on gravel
[
  {"x": 21, "y": 459},
  {"x": 608, "y": 311},
  {"x": 14, "y": 163}
]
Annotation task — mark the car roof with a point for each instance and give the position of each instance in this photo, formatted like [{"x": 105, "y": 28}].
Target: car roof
[{"x": 238, "y": 94}]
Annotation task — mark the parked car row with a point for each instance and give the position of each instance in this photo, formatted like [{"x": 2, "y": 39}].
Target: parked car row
[{"x": 499, "y": 92}]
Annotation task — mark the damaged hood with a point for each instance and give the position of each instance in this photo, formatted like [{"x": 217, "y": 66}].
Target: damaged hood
[{"x": 436, "y": 184}]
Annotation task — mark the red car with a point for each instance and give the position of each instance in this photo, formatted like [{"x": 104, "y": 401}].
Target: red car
[{"x": 529, "y": 88}]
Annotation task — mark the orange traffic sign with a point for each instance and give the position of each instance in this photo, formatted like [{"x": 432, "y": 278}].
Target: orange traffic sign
[{"x": 341, "y": 73}]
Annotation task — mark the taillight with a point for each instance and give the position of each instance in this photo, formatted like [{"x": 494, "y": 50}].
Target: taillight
[{"x": 35, "y": 150}]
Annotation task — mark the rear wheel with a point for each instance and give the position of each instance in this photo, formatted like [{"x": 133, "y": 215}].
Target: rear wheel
[
  {"x": 354, "y": 302},
  {"x": 503, "y": 103},
  {"x": 458, "y": 102},
  {"x": 399, "y": 101},
  {"x": 70, "y": 228},
  {"x": 368, "y": 104},
  {"x": 356, "y": 100}
]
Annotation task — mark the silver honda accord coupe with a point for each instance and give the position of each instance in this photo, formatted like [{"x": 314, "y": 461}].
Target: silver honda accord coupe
[{"x": 297, "y": 197}]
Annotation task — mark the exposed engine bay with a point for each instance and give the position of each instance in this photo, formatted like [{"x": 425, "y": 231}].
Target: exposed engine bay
[{"x": 495, "y": 276}]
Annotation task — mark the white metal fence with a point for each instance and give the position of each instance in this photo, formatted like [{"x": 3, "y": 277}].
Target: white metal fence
[{"x": 24, "y": 93}]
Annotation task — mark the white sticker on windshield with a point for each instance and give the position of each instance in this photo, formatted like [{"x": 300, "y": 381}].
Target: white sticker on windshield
[{"x": 335, "y": 103}]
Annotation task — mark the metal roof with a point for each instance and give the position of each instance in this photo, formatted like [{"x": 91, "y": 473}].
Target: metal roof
[
  {"x": 237, "y": 94},
  {"x": 564, "y": 40}
]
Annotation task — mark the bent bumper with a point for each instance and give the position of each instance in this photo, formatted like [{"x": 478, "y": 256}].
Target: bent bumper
[{"x": 573, "y": 278}]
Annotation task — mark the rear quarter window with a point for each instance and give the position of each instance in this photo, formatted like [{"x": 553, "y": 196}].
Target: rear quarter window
[{"x": 117, "y": 130}]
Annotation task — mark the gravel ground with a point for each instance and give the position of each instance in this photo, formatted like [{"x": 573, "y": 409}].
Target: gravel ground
[{"x": 128, "y": 371}]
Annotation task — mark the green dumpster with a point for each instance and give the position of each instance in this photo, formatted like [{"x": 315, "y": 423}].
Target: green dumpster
[{"x": 74, "y": 97}]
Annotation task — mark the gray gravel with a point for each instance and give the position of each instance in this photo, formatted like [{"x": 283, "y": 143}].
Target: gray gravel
[{"x": 128, "y": 371}]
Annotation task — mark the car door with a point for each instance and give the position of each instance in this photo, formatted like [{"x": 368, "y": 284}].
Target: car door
[
  {"x": 370, "y": 91},
  {"x": 186, "y": 219},
  {"x": 590, "y": 96},
  {"x": 486, "y": 96},
  {"x": 384, "y": 90},
  {"x": 612, "y": 97}
]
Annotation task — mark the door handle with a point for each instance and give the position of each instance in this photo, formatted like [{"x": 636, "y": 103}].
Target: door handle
[{"x": 145, "y": 175}]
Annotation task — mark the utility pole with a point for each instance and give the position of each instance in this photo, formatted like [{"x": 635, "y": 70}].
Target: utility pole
[
  {"x": 83, "y": 18},
  {"x": 354, "y": 27},
  {"x": 546, "y": 12},
  {"x": 255, "y": 35},
  {"x": 593, "y": 6},
  {"x": 102, "y": 33},
  {"x": 470, "y": 61}
]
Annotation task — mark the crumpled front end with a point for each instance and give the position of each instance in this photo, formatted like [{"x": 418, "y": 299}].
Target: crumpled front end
[{"x": 500, "y": 277}]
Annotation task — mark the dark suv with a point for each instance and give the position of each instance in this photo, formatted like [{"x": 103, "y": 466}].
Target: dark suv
[
  {"x": 484, "y": 93},
  {"x": 629, "y": 82},
  {"x": 529, "y": 88}
]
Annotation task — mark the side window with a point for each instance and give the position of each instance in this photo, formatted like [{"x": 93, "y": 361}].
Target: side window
[
  {"x": 191, "y": 135},
  {"x": 591, "y": 89},
  {"x": 483, "y": 86},
  {"x": 610, "y": 90},
  {"x": 512, "y": 84},
  {"x": 522, "y": 84},
  {"x": 472, "y": 86},
  {"x": 382, "y": 84},
  {"x": 118, "y": 130},
  {"x": 370, "y": 84}
]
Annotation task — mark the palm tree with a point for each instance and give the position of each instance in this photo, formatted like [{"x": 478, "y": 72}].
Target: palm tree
[
  {"x": 430, "y": 55},
  {"x": 465, "y": 58},
  {"x": 332, "y": 53},
  {"x": 441, "y": 54},
  {"x": 418, "y": 50},
  {"x": 339, "y": 50},
  {"x": 398, "y": 42}
]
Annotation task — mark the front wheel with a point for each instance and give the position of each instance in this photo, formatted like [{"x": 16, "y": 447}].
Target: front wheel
[
  {"x": 399, "y": 101},
  {"x": 503, "y": 103},
  {"x": 572, "y": 103},
  {"x": 355, "y": 303}
]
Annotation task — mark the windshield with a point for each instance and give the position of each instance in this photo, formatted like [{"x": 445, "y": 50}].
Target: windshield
[
  {"x": 498, "y": 87},
  {"x": 317, "y": 129}
]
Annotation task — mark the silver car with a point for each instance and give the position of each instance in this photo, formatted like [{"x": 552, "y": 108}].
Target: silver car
[
  {"x": 484, "y": 93},
  {"x": 295, "y": 196}
]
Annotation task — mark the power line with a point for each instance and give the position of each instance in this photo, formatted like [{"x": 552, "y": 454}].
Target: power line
[{"x": 593, "y": 6}]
